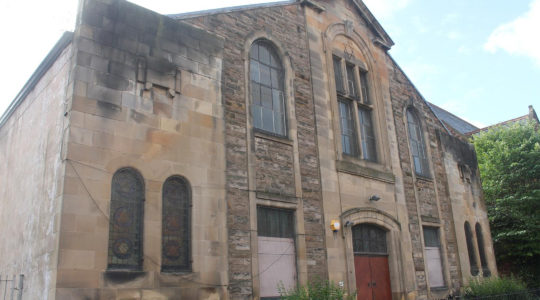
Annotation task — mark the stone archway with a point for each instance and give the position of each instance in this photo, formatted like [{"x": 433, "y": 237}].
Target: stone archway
[{"x": 373, "y": 217}]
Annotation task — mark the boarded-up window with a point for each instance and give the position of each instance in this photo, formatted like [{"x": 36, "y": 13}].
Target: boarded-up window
[
  {"x": 418, "y": 147},
  {"x": 126, "y": 215},
  {"x": 470, "y": 249},
  {"x": 267, "y": 88},
  {"x": 176, "y": 225},
  {"x": 277, "y": 255},
  {"x": 480, "y": 239},
  {"x": 433, "y": 256}
]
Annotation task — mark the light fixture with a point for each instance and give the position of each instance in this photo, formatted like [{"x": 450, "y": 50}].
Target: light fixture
[
  {"x": 374, "y": 198},
  {"x": 335, "y": 225}
]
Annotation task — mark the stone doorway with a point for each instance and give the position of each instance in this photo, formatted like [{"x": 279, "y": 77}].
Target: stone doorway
[{"x": 371, "y": 263}]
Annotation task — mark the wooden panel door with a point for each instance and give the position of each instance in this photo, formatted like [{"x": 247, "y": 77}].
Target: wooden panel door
[
  {"x": 363, "y": 277},
  {"x": 372, "y": 278},
  {"x": 380, "y": 278},
  {"x": 371, "y": 263}
]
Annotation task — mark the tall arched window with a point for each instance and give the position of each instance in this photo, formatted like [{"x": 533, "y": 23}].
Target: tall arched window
[
  {"x": 470, "y": 249},
  {"x": 267, "y": 88},
  {"x": 480, "y": 240},
  {"x": 418, "y": 147},
  {"x": 126, "y": 215},
  {"x": 176, "y": 225}
]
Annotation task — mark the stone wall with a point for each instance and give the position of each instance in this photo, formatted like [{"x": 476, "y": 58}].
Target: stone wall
[
  {"x": 465, "y": 193},
  {"x": 283, "y": 25},
  {"x": 147, "y": 95},
  {"x": 427, "y": 199},
  {"x": 31, "y": 187}
]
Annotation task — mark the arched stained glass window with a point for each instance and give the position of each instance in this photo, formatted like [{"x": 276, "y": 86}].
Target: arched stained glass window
[
  {"x": 176, "y": 226},
  {"x": 470, "y": 249},
  {"x": 267, "y": 88},
  {"x": 418, "y": 147},
  {"x": 483, "y": 261},
  {"x": 126, "y": 215}
]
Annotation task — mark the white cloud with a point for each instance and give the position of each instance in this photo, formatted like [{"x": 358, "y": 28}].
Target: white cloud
[
  {"x": 385, "y": 8},
  {"x": 519, "y": 36}
]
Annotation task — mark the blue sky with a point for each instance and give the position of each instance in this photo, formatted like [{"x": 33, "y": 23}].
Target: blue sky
[
  {"x": 479, "y": 59},
  {"x": 476, "y": 58}
]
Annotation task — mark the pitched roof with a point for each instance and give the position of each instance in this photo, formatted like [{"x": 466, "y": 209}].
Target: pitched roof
[
  {"x": 383, "y": 39},
  {"x": 452, "y": 120},
  {"x": 213, "y": 11}
]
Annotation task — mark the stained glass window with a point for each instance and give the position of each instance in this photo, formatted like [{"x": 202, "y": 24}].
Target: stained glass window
[
  {"x": 126, "y": 215},
  {"x": 267, "y": 89},
  {"x": 369, "y": 239},
  {"x": 176, "y": 229}
]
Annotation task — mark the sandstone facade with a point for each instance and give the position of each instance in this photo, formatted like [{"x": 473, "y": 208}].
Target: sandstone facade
[{"x": 171, "y": 96}]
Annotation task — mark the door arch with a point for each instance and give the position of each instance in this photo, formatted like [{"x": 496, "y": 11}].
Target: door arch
[{"x": 371, "y": 262}]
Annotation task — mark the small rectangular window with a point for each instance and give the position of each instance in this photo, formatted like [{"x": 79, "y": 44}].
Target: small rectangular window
[{"x": 338, "y": 76}]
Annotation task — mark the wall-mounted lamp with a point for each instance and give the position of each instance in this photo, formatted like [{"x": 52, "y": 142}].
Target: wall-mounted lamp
[
  {"x": 374, "y": 198},
  {"x": 335, "y": 225}
]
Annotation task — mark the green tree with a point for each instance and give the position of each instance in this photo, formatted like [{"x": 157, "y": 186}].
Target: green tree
[{"x": 509, "y": 161}]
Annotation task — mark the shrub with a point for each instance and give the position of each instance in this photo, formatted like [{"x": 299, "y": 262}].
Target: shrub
[
  {"x": 503, "y": 287},
  {"x": 316, "y": 290}
]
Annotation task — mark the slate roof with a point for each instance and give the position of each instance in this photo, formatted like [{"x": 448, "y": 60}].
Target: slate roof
[{"x": 452, "y": 120}]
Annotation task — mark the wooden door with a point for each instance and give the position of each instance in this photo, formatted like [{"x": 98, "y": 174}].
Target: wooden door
[
  {"x": 380, "y": 278},
  {"x": 371, "y": 263}
]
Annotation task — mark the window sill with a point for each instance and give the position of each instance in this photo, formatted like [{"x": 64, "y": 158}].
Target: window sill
[
  {"x": 272, "y": 136},
  {"x": 439, "y": 289},
  {"x": 119, "y": 276},
  {"x": 424, "y": 178},
  {"x": 364, "y": 171},
  {"x": 276, "y": 197}
]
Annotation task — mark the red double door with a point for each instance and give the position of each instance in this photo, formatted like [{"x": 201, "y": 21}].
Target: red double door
[
  {"x": 372, "y": 278},
  {"x": 371, "y": 263}
]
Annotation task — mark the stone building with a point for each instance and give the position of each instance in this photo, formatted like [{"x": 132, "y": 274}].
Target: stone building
[{"x": 206, "y": 156}]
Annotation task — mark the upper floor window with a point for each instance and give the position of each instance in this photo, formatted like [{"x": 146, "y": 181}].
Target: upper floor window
[
  {"x": 418, "y": 147},
  {"x": 355, "y": 110},
  {"x": 267, "y": 89},
  {"x": 176, "y": 227},
  {"x": 126, "y": 215}
]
